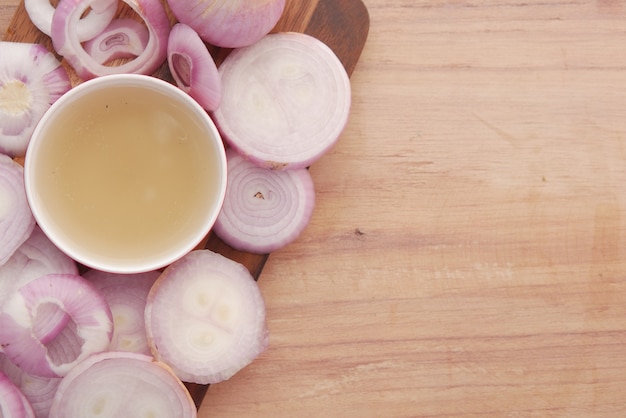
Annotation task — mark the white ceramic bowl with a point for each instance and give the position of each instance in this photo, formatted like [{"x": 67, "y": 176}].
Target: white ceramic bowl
[{"x": 125, "y": 173}]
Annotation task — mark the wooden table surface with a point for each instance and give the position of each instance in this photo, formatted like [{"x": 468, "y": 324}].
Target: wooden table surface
[{"x": 467, "y": 255}]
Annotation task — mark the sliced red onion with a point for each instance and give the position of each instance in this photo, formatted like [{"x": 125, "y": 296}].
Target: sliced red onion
[
  {"x": 13, "y": 403},
  {"x": 31, "y": 79},
  {"x": 122, "y": 384},
  {"x": 126, "y": 295},
  {"x": 39, "y": 391},
  {"x": 229, "y": 24},
  {"x": 36, "y": 257},
  {"x": 16, "y": 219},
  {"x": 123, "y": 38},
  {"x": 193, "y": 68},
  {"x": 263, "y": 210},
  {"x": 205, "y": 318},
  {"x": 53, "y": 322},
  {"x": 286, "y": 100},
  {"x": 67, "y": 44},
  {"x": 40, "y": 13}
]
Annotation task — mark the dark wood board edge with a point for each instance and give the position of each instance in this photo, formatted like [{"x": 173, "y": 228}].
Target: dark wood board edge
[{"x": 343, "y": 25}]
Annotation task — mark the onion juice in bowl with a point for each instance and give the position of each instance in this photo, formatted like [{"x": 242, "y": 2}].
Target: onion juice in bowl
[{"x": 125, "y": 173}]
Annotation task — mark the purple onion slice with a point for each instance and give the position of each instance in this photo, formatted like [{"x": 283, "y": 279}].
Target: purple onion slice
[
  {"x": 285, "y": 102},
  {"x": 31, "y": 79},
  {"x": 52, "y": 323},
  {"x": 193, "y": 68},
  {"x": 263, "y": 209},
  {"x": 122, "y": 384},
  {"x": 16, "y": 219},
  {"x": 205, "y": 318},
  {"x": 126, "y": 295}
]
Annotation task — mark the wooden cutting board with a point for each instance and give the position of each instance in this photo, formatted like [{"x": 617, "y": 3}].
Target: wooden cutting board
[{"x": 342, "y": 24}]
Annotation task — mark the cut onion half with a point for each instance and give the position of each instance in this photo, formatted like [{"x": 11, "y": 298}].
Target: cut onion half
[
  {"x": 263, "y": 210},
  {"x": 126, "y": 295},
  {"x": 67, "y": 44},
  {"x": 229, "y": 24},
  {"x": 286, "y": 100},
  {"x": 52, "y": 323},
  {"x": 193, "y": 68},
  {"x": 16, "y": 219},
  {"x": 40, "y": 13},
  {"x": 122, "y": 384},
  {"x": 123, "y": 38},
  {"x": 31, "y": 79},
  {"x": 205, "y": 318},
  {"x": 13, "y": 403}
]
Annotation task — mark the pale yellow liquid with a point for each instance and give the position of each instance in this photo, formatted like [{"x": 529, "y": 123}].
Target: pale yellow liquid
[{"x": 128, "y": 173}]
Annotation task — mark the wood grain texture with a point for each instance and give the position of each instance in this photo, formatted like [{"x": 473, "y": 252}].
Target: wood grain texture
[
  {"x": 341, "y": 24},
  {"x": 467, "y": 254}
]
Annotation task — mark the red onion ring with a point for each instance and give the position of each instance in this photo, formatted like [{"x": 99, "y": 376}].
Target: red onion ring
[
  {"x": 126, "y": 295},
  {"x": 123, "y": 38},
  {"x": 193, "y": 68},
  {"x": 36, "y": 257},
  {"x": 31, "y": 79},
  {"x": 52, "y": 323},
  {"x": 117, "y": 384},
  {"x": 67, "y": 44},
  {"x": 39, "y": 391},
  {"x": 12, "y": 402},
  {"x": 16, "y": 219},
  {"x": 205, "y": 318},
  {"x": 41, "y": 12},
  {"x": 263, "y": 210},
  {"x": 286, "y": 100}
]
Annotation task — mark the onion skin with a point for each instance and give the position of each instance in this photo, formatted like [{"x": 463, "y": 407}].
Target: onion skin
[
  {"x": 67, "y": 44},
  {"x": 31, "y": 79},
  {"x": 231, "y": 23},
  {"x": 16, "y": 220}
]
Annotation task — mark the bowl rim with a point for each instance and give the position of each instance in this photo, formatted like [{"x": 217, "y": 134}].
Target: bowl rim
[{"x": 73, "y": 249}]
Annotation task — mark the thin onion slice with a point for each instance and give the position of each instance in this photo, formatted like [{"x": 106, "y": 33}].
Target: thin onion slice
[
  {"x": 36, "y": 257},
  {"x": 193, "y": 68},
  {"x": 123, "y": 38},
  {"x": 16, "y": 219},
  {"x": 122, "y": 384},
  {"x": 31, "y": 79},
  {"x": 286, "y": 100},
  {"x": 263, "y": 210},
  {"x": 52, "y": 323},
  {"x": 205, "y": 318},
  {"x": 13, "y": 403},
  {"x": 229, "y": 24},
  {"x": 126, "y": 295},
  {"x": 39, "y": 391},
  {"x": 40, "y": 13},
  {"x": 67, "y": 44}
]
